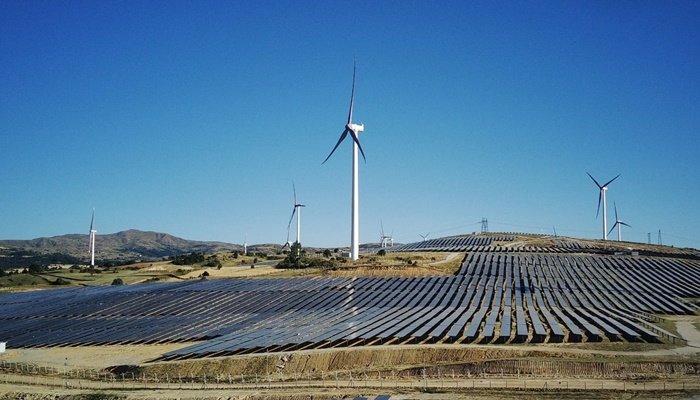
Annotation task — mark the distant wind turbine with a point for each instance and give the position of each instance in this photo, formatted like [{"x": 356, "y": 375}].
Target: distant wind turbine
[
  {"x": 601, "y": 196},
  {"x": 92, "y": 239},
  {"x": 386, "y": 240},
  {"x": 425, "y": 237},
  {"x": 618, "y": 223},
  {"x": 353, "y": 129},
  {"x": 297, "y": 206}
]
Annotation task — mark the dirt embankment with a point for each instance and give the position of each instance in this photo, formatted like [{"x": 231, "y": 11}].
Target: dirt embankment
[{"x": 406, "y": 361}]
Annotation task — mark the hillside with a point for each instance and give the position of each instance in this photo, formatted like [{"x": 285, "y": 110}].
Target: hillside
[{"x": 120, "y": 246}]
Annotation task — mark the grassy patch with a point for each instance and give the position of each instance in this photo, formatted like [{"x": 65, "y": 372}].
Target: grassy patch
[
  {"x": 24, "y": 281},
  {"x": 403, "y": 264}
]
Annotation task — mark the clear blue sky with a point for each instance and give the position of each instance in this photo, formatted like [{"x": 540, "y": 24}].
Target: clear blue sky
[{"x": 194, "y": 117}]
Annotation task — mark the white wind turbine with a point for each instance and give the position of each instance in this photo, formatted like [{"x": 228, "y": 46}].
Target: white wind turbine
[
  {"x": 425, "y": 237},
  {"x": 601, "y": 196},
  {"x": 353, "y": 130},
  {"x": 385, "y": 239},
  {"x": 92, "y": 239},
  {"x": 618, "y": 223},
  {"x": 298, "y": 213}
]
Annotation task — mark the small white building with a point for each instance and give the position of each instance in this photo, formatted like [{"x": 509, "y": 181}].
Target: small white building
[{"x": 2, "y": 347}]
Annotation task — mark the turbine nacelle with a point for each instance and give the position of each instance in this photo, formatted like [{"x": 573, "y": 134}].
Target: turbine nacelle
[{"x": 357, "y": 128}]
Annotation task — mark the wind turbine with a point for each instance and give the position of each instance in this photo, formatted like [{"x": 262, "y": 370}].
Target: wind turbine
[
  {"x": 601, "y": 196},
  {"x": 386, "y": 239},
  {"x": 298, "y": 213},
  {"x": 618, "y": 223},
  {"x": 425, "y": 237},
  {"x": 92, "y": 239},
  {"x": 353, "y": 129}
]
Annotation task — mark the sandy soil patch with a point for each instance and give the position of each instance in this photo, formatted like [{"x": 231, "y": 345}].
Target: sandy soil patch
[
  {"x": 233, "y": 272},
  {"x": 89, "y": 357}
]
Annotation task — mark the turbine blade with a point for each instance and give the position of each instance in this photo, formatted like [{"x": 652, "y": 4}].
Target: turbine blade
[
  {"x": 600, "y": 196},
  {"x": 295, "y": 194},
  {"x": 610, "y": 181},
  {"x": 352, "y": 95},
  {"x": 596, "y": 182},
  {"x": 622, "y": 223},
  {"x": 342, "y": 137},
  {"x": 613, "y": 227},
  {"x": 291, "y": 218},
  {"x": 354, "y": 137},
  {"x": 615, "y": 205},
  {"x": 92, "y": 220}
]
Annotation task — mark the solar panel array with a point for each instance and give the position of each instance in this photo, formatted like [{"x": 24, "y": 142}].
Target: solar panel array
[
  {"x": 494, "y": 298},
  {"x": 494, "y": 243},
  {"x": 456, "y": 243}
]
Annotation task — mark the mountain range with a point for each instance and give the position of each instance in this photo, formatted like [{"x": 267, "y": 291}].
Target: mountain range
[{"x": 121, "y": 246}]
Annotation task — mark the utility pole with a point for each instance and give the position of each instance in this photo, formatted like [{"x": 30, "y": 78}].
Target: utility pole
[
  {"x": 659, "y": 237},
  {"x": 648, "y": 237},
  {"x": 484, "y": 225}
]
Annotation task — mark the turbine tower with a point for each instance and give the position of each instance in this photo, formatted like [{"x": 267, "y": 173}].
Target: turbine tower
[
  {"x": 297, "y": 205},
  {"x": 353, "y": 129},
  {"x": 601, "y": 196},
  {"x": 618, "y": 223},
  {"x": 92, "y": 239},
  {"x": 382, "y": 237}
]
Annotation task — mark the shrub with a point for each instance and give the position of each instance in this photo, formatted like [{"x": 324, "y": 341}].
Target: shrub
[
  {"x": 60, "y": 281},
  {"x": 117, "y": 282}
]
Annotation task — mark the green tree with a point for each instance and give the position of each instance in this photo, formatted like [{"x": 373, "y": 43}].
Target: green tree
[
  {"x": 381, "y": 253},
  {"x": 36, "y": 269},
  {"x": 117, "y": 282},
  {"x": 293, "y": 259},
  {"x": 327, "y": 253},
  {"x": 192, "y": 258}
]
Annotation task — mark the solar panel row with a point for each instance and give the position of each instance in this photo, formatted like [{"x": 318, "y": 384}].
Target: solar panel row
[{"x": 495, "y": 297}]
